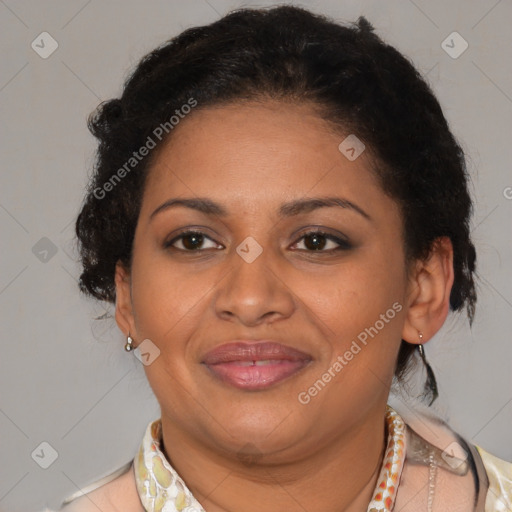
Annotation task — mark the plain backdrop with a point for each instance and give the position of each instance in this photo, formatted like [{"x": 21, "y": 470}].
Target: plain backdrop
[{"x": 68, "y": 390}]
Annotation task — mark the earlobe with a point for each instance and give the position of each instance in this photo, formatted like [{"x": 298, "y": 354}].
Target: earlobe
[
  {"x": 429, "y": 290},
  {"x": 124, "y": 312}
]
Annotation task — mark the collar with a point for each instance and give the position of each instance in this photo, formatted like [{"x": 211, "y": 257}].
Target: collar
[{"x": 161, "y": 489}]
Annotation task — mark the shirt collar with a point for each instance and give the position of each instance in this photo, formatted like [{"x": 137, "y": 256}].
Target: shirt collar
[{"x": 161, "y": 489}]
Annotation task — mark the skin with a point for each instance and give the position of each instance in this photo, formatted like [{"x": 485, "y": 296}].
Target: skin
[{"x": 264, "y": 449}]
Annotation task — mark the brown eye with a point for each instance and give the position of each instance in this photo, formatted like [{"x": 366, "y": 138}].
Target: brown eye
[
  {"x": 318, "y": 241},
  {"x": 190, "y": 241}
]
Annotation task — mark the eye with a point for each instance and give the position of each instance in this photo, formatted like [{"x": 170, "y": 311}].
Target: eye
[
  {"x": 190, "y": 241},
  {"x": 314, "y": 241},
  {"x": 318, "y": 240}
]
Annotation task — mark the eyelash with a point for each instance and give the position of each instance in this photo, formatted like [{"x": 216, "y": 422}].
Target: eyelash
[{"x": 343, "y": 244}]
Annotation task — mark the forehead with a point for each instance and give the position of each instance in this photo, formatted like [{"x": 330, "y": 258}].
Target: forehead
[
  {"x": 258, "y": 152},
  {"x": 269, "y": 130}
]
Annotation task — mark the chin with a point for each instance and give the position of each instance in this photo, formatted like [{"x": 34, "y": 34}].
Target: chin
[{"x": 263, "y": 430}]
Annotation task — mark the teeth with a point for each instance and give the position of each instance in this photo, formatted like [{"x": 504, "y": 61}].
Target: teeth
[{"x": 258, "y": 363}]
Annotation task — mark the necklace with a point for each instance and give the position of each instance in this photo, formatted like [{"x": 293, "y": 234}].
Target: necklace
[{"x": 432, "y": 474}]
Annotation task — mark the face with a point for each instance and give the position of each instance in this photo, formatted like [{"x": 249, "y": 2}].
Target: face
[{"x": 325, "y": 285}]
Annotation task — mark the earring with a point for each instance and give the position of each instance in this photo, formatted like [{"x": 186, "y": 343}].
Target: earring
[
  {"x": 431, "y": 382},
  {"x": 128, "y": 347}
]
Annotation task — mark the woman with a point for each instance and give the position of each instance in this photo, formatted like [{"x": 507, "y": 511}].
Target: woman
[{"x": 280, "y": 214}]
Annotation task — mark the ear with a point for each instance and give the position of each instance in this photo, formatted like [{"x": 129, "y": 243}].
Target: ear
[
  {"x": 429, "y": 288},
  {"x": 124, "y": 312}
]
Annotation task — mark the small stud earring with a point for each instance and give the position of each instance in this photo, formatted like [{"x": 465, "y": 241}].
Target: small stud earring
[
  {"x": 421, "y": 350},
  {"x": 128, "y": 347}
]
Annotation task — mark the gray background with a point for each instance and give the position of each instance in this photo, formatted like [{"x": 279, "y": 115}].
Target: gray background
[{"x": 65, "y": 378}]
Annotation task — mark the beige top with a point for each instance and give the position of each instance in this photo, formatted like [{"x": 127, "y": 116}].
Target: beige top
[{"x": 467, "y": 479}]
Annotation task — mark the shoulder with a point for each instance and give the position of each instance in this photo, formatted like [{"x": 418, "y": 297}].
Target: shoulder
[
  {"x": 115, "y": 492},
  {"x": 499, "y": 473},
  {"x": 471, "y": 477}
]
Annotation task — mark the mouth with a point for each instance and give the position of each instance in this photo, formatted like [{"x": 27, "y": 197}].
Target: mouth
[{"x": 254, "y": 365}]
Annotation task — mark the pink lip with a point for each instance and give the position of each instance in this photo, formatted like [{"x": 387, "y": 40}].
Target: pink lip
[{"x": 254, "y": 365}]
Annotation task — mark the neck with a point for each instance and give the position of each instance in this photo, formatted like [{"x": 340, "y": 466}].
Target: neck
[{"x": 340, "y": 477}]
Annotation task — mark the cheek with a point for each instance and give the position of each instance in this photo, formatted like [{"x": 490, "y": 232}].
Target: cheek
[
  {"x": 166, "y": 297},
  {"x": 353, "y": 294},
  {"x": 363, "y": 306}
]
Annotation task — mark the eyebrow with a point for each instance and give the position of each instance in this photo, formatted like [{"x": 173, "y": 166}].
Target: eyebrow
[{"x": 289, "y": 209}]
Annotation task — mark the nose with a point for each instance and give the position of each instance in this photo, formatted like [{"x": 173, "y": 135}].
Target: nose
[{"x": 254, "y": 292}]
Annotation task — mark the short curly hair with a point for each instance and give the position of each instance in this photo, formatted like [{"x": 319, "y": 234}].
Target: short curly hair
[{"x": 285, "y": 53}]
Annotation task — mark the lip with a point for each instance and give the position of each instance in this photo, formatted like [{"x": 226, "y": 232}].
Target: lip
[{"x": 254, "y": 365}]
